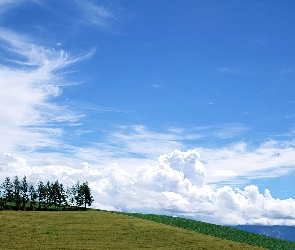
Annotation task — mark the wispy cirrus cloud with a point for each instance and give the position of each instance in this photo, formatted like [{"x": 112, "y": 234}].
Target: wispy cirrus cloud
[
  {"x": 156, "y": 86},
  {"x": 32, "y": 77},
  {"x": 138, "y": 139},
  {"x": 8, "y": 4},
  {"x": 95, "y": 14},
  {"x": 29, "y": 83},
  {"x": 240, "y": 162},
  {"x": 141, "y": 138},
  {"x": 286, "y": 71},
  {"x": 230, "y": 70},
  {"x": 222, "y": 131},
  {"x": 88, "y": 13}
]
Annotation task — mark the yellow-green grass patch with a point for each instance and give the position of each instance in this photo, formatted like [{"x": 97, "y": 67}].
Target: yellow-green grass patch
[{"x": 98, "y": 230}]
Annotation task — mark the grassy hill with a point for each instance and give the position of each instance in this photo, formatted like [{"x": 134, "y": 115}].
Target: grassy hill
[
  {"x": 99, "y": 230},
  {"x": 219, "y": 231}
]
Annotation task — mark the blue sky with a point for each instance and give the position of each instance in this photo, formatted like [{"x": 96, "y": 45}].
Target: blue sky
[{"x": 116, "y": 91}]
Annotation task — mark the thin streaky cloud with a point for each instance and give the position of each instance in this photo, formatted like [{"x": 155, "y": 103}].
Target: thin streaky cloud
[
  {"x": 286, "y": 71},
  {"x": 26, "y": 99},
  {"x": 222, "y": 131},
  {"x": 241, "y": 161},
  {"x": 156, "y": 86},
  {"x": 5, "y": 5},
  {"x": 229, "y": 70},
  {"x": 93, "y": 14},
  {"x": 93, "y": 108},
  {"x": 46, "y": 59},
  {"x": 14, "y": 41}
]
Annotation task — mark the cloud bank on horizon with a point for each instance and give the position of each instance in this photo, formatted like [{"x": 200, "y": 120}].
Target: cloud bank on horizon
[
  {"x": 175, "y": 185},
  {"x": 135, "y": 133}
]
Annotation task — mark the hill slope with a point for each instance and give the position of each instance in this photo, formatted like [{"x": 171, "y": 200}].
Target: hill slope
[
  {"x": 219, "y": 231},
  {"x": 98, "y": 230}
]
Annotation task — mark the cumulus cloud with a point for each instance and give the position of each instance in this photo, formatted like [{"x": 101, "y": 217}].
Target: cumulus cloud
[
  {"x": 232, "y": 164},
  {"x": 174, "y": 185}
]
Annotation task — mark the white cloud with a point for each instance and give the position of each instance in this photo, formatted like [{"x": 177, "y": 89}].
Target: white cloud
[
  {"x": 270, "y": 159},
  {"x": 156, "y": 86},
  {"x": 174, "y": 185},
  {"x": 93, "y": 14},
  {"x": 225, "y": 131},
  {"x": 229, "y": 70},
  {"x": 286, "y": 71},
  {"x": 8, "y": 4},
  {"x": 28, "y": 85},
  {"x": 138, "y": 139},
  {"x": 233, "y": 164}
]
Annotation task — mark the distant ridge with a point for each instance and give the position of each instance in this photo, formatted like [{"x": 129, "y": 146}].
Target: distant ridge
[{"x": 280, "y": 232}]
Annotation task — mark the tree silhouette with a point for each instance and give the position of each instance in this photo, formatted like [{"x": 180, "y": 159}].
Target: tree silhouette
[
  {"x": 18, "y": 194},
  {"x": 33, "y": 195},
  {"x": 84, "y": 193},
  {"x": 7, "y": 187},
  {"x": 24, "y": 192},
  {"x": 41, "y": 194}
]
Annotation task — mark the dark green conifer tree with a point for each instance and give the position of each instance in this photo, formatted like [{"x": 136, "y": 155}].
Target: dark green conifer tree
[
  {"x": 33, "y": 195},
  {"x": 17, "y": 193},
  {"x": 41, "y": 194},
  {"x": 7, "y": 187},
  {"x": 84, "y": 194},
  {"x": 24, "y": 188}
]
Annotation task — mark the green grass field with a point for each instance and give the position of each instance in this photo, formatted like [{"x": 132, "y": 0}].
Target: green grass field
[
  {"x": 98, "y": 230},
  {"x": 220, "y": 231}
]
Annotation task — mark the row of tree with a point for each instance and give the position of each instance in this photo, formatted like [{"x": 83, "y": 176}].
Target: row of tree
[{"x": 19, "y": 195}]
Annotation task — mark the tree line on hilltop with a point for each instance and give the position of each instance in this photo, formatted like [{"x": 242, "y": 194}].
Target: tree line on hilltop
[{"x": 19, "y": 195}]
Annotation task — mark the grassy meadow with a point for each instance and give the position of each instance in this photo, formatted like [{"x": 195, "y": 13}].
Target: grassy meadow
[
  {"x": 219, "y": 231},
  {"x": 99, "y": 230}
]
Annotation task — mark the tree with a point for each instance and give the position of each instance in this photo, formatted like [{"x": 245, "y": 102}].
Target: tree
[
  {"x": 71, "y": 196},
  {"x": 76, "y": 195},
  {"x": 7, "y": 191},
  {"x": 24, "y": 192},
  {"x": 54, "y": 193},
  {"x": 33, "y": 195},
  {"x": 58, "y": 194},
  {"x": 1, "y": 200},
  {"x": 84, "y": 195},
  {"x": 48, "y": 194},
  {"x": 17, "y": 193},
  {"x": 62, "y": 196},
  {"x": 41, "y": 194}
]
